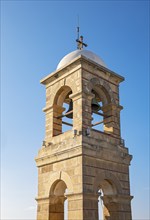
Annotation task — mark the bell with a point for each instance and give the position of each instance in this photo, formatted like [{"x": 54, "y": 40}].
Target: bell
[
  {"x": 95, "y": 106},
  {"x": 70, "y": 109}
]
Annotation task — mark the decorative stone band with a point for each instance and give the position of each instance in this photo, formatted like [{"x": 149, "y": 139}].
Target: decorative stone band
[
  {"x": 122, "y": 199},
  {"x": 50, "y": 108},
  {"x": 42, "y": 198}
]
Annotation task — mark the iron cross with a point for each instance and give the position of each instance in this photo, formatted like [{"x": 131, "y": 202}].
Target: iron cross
[{"x": 80, "y": 43}]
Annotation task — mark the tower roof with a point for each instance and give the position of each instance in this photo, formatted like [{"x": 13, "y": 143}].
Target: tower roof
[{"x": 74, "y": 54}]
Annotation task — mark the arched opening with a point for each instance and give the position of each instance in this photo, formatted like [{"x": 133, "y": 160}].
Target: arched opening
[
  {"x": 67, "y": 122},
  {"x": 101, "y": 109},
  {"x": 106, "y": 190},
  {"x": 66, "y": 207},
  {"x": 97, "y": 113},
  {"x": 58, "y": 208},
  {"x": 106, "y": 117},
  {"x": 100, "y": 205},
  {"x": 62, "y": 111}
]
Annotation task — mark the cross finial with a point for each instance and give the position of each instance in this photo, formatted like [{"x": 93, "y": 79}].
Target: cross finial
[
  {"x": 79, "y": 40},
  {"x": 80, "y": 43}
]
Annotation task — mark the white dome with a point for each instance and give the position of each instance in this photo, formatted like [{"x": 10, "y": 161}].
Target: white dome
[{"x": 88, "y": 54}]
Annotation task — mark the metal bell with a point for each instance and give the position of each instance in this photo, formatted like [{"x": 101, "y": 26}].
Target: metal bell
[
  {"x": 70, "y": 109},
  {"x": 95, "y": 106}
]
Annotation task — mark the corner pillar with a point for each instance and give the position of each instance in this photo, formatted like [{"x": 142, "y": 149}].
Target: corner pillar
[
  {"x": 43, "y": 208},
  {"x": 90, "y": 207},
  {"x": 53, "y": 125},
  {"x": 57, "y": 122},
  {"x": 112, "y": 119}
]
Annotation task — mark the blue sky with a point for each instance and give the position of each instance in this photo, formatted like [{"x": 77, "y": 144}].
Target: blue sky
[{"x": 35, "y": 35}]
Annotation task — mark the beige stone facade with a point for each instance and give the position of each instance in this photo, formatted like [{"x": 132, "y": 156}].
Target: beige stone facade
[{"x": 75, "y": 164}]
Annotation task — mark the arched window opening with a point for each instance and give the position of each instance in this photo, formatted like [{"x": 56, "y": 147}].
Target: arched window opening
[
  {"x": 106, "y": 190},
  {"x": 58, "y": 208},
  {"x": 100, "y": 205},
  {"x": 66, "y": 206},
  {"x": 103, "y": 212},
  {"x": 97, "y": 113},
  {"x": 62, "y": 111},
  {"x": 67, "y": 122}
]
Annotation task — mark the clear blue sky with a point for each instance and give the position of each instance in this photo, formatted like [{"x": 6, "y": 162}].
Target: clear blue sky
[{"x": 35, "y": 35}]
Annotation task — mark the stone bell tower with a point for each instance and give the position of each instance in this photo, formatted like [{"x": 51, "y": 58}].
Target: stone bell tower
[{"x": 89, "y": 162}]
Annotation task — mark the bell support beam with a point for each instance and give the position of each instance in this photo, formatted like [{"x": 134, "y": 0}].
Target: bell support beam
[{"x": 68, "y": 113}]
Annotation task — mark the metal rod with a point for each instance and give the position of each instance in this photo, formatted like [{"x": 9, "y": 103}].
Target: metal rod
[
  {"x": 78, "y": 29},
  {"x": 98, "y": 113},
  {"x": 97, "y": 123},
  {"x": 68, "y": 113},
  {"x": 66, "y": 123}
]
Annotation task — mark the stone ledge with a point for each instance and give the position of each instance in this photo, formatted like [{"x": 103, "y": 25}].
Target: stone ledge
[{"x": 59, "y": 156}]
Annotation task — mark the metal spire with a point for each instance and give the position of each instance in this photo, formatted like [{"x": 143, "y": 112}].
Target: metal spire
[{"x": 79, "y": 40}]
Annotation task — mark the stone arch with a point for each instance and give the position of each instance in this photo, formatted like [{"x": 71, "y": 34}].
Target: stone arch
[
  {"x": 62, "y": 88},
  {"x": 61, "y": 102},
  {"x": 60, "y": 176},
  {"x": 102, "y": 119},
  {"x": 61, "y": 94},
  {"x": 102, "y": 88},
  {"x": 110, "y": 180},
  {"x": 60, "y": 184}
]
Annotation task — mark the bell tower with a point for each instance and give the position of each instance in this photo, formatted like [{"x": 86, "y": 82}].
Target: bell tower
[{"x": 83, "y": 159}]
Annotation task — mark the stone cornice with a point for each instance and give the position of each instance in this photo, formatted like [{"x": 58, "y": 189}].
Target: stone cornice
[
  {"x": 58, "y": 156},
  {"x": 56, "y": 74}
]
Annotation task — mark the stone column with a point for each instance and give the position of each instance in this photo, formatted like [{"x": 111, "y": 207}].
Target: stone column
[
  {"x": 57, "y": 122},
  {"x": 90, "y": 207},
  {"x": 81, "y": 111},
  {"x": 112, "y": 119},
  {"x": 87, "y": 110},
  {"x": 43, "y": 208},
  {"x": 75, "y": 206},
  {"x": 48, "y": 122},
  {"x": 106, "y": 214},
  {"x": 53, "y": 125},
  {"x": 119, "y": 207}
]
